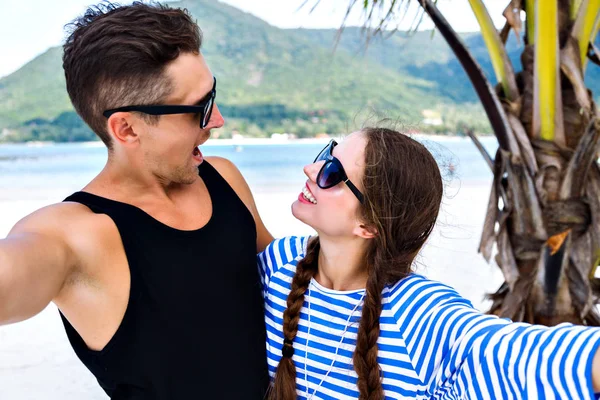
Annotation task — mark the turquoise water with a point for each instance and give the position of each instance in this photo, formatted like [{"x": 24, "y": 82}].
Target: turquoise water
[{"x": 54, "y": 171}]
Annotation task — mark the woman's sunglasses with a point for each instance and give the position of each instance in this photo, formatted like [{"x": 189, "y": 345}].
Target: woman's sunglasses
[
  {"x": 203, "y": 107},
  {"x": 332, "y": 172}
]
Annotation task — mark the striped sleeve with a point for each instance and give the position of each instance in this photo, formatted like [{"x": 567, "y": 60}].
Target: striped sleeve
[
  {"x": 457, "y": 352},
  {"x": 277, "y": 254}
]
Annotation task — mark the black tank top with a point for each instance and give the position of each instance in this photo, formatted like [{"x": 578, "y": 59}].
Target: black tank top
[{"x": 194, "y": 325}]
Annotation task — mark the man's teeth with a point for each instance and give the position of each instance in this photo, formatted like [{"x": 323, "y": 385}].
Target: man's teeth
[{"x": 308, "y": 195}]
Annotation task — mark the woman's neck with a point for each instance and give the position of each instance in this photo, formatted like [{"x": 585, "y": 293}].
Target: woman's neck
[{"x": 342, "y": 264}]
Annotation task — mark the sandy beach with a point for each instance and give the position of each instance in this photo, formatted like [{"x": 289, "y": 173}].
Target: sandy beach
[{"x": 37, "y": 362}]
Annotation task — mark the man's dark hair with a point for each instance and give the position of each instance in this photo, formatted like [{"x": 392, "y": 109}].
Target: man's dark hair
[{"x": 116, "y": 56}]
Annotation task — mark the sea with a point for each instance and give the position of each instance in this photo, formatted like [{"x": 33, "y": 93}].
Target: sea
[{"x": 51, "y": 171}]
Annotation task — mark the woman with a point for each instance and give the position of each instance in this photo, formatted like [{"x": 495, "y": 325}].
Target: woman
[{"x": 346, "y": 318}]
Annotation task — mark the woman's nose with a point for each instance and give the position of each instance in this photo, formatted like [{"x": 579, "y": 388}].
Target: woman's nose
[{"x": 312, "y": 170}]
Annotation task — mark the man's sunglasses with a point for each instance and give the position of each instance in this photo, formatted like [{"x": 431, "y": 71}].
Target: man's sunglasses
[
  {"x": 203, "y": 107},
  {"x": 332, "y": 172}
]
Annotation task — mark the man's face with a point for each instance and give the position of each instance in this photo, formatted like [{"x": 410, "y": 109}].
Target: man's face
[{"x": 170, "y": 148}]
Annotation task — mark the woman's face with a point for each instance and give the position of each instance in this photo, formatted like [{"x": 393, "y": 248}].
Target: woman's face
[{"x": 334, "y": 211}]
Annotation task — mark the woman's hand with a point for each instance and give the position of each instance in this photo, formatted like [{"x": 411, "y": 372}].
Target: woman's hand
[{"x": 596, "y": 372}]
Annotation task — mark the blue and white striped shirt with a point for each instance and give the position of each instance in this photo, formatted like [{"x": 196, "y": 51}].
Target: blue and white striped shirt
[{"x": 433, "y": 343}]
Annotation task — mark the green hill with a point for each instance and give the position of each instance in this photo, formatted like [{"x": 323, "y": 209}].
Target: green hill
[
  {"x": 273, "y": 79},
  {"x": 428, "y": 57}
]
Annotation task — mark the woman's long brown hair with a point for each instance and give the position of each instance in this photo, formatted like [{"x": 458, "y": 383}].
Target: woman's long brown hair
[{"x": 403, "y": 191}]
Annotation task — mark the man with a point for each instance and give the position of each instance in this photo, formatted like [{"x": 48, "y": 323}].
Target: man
[{"x": 152, "y": 265}]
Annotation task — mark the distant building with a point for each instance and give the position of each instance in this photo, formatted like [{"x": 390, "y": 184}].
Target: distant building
[
  {"x": 281, "y": 136},
  {"x": 431, "y": 117}
]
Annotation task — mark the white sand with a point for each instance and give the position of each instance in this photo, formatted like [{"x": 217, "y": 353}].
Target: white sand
[{"x": 37, "y": 362}]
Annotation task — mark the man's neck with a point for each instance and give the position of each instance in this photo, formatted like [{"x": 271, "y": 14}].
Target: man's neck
[
  {"x": 127, "y": 180},
  {"x": 341, "y": 263}
]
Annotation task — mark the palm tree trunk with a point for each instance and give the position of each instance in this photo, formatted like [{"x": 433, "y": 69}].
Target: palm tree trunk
[
  {"x": 544, "y": 207},
  {"x": 550, "y": 273},
  {"x": 547, "y": 229}
]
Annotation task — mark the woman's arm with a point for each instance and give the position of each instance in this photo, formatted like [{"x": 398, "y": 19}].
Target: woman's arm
[{"x": 459, "y": 352}]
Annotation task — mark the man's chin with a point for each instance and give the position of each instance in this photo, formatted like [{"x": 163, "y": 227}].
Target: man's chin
[{"x": 189, "y": 179}]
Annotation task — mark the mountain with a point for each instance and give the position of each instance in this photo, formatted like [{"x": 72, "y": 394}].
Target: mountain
[
  {"x": 427, "y": 56},
  {"x": 273, "y": 79}
]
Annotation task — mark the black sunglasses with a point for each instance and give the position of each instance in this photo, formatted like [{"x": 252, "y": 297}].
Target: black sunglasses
[
  {"x": 332, "y": 172},
  {"x": 203, "y": 107}
]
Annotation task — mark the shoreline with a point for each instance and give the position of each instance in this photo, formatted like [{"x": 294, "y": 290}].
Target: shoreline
[{"x": 250, "y": 141}]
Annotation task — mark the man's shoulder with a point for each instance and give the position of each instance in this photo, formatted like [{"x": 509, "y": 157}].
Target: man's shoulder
[
  {"x": 234, "y": 178},
  {"x": 55, "y": 218},
  {"x": 227, "y": 169},
  {"x": 70, "y": 223}
]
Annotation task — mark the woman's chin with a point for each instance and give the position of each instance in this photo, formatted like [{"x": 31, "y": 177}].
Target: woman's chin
[
  {"x": 299, "y": 212},
  {"x": 295, "y": 206}
]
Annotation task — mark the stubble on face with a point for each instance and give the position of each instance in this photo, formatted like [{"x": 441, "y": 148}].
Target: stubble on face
[
  {"x": 185, "y": 175},
  {"x": 182, "y": 173}
]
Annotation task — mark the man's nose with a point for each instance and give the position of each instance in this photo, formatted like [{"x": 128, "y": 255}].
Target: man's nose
[{"x": 216, "y": 118}]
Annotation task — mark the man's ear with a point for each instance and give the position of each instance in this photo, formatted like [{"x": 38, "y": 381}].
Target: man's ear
[
  {"x": 365, "y": 232},
  {"x": 120, "y": 126}
]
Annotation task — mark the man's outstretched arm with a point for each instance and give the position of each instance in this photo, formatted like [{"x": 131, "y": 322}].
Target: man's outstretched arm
[{"x": 35, "y": 262}]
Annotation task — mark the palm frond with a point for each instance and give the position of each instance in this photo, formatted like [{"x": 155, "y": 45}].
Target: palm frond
[
  {"x": 585, "y": 27},
  {"x": 570, "y": 64},
  {"x": 512, "y": 13},
  {"x": 486, "y": 93},
  {"x": 574, "y": 9},
  {"x": 547, "y": 120},
  {"x": 500, "y": 61},
  {"x": 530, "y": 11}
]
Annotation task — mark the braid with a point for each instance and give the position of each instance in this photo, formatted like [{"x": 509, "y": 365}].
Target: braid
[
  {"x": 284, "y": 386},
  {"x": 365, "y": 355}
]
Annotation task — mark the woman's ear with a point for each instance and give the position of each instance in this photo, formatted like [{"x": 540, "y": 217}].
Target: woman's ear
[{"x": 365, "y": 232}]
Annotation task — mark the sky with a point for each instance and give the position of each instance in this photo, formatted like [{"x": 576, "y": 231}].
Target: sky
[{"x": 28, "y": 28}]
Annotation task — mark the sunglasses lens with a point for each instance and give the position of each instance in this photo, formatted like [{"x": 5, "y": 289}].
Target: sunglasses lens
[
  {"x": 329, "y": 176},
  {"x": 324, "y": 153},
  {"x": 207, "y": 113}
]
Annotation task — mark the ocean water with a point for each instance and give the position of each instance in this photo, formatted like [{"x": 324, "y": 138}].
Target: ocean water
[{"x": 51, "y": 172}]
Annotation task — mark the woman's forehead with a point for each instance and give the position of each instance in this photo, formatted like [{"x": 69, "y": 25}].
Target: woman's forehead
[{"x": 350, "y": 151}]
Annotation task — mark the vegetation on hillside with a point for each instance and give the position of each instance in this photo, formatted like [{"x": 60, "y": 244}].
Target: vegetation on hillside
[{"x": 275, "y": 80}]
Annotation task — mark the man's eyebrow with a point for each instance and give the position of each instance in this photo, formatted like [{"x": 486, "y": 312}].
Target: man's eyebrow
[{"x": 206, "y": 96}]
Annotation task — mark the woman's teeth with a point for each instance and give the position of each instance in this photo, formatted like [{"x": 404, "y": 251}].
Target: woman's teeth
[{"x": 308, "y": 195}]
